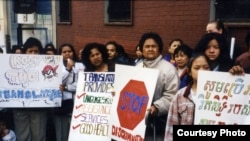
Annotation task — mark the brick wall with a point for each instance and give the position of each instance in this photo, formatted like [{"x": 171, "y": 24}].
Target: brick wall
[{"x": 185, "y": 19}]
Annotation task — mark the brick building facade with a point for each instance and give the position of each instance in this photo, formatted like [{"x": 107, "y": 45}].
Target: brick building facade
[{"x": 185, "y": 19}]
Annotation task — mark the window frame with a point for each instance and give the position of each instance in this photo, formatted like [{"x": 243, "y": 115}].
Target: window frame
[
  {"x": 106, "y": 15},
  {"x": 58, "y": 19},
  {"x": 227, "y": 21}
]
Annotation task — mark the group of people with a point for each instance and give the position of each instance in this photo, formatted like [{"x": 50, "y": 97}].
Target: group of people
[
  {"x": 177, "y": 80},
  {"x": 30, "y": 124},
  {"x": 212, "y": 53}
]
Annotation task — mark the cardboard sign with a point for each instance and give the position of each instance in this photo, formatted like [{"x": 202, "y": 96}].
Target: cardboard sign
[
  {"x": 92, "y": 108},
  {"x": 222, "y": 99},
  {"x": 134, "y": 87},
  {"x": 30, "y": 80}
]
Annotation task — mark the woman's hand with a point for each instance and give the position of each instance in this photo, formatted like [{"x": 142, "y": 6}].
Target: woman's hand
[
  {"x": 237, "y": 70},
  {"x": 70, "y": 64},
  {"x": 62, "y": 87},
  {"x": 153, "y": 110}
]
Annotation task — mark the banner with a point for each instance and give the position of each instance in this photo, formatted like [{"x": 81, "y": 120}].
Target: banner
[
  {"x": 30, "y": 80},
  {"x": 222, "y": 99}
]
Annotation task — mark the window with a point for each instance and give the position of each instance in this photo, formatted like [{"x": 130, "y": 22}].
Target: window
[
  {"x": 64, "y": 11},
  {"x": 24, "y": 6},
  {"x": 118, "y": 12},
  {"x": 39, "y": 33},
  {"x": 233, "y": 11}
]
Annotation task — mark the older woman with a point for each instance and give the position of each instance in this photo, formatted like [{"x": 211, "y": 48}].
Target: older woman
[{"x": 167, "y": 85}]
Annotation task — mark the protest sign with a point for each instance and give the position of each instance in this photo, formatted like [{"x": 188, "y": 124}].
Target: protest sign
[
  {"x": 134, "y": 90},
  {"x": 222, "y": 99},
  {"x": 91, "y": 113},
  {"x": 30, "y": 80}
]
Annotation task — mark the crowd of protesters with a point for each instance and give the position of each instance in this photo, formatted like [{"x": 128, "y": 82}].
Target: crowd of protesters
[{"x": 177, "y": 80}]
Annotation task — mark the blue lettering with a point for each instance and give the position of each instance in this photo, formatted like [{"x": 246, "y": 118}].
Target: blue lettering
[
  {"x": 133, "y": 102},
  {"x": 30, "y": 94}
]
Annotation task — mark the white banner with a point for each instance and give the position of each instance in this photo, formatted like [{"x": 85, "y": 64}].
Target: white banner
[
  {"x": 222, "y": 99},
  {"x": 30, "y": 80}
]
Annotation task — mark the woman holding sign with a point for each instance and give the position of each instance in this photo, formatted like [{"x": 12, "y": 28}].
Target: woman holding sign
[
  {"x": 182, "y": 108},
  {"x": 185, "y": 97},
  {"x": 62, "y": 115},
  {"x": 167, "y": 85},
  {"x": 30, "y": 123}
]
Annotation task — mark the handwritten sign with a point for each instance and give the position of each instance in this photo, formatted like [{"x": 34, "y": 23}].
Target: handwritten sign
[
  {"x": 30, "y": 80},
  {"x": 91, "y": 113},
  {"x": 134, "y": 88},
  {"x": 222, "y": 99}
]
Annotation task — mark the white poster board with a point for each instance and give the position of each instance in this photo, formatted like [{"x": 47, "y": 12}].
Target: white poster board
[
  {"x": 30, "y": 80},
  {"x": 91, "y": 113},
  {"x": 223, "y": 99},
  {"x": 134, "y": 87}
]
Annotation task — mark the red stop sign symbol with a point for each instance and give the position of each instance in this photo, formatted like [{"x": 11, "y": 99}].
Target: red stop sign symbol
[{"x": 132, "y": 104}]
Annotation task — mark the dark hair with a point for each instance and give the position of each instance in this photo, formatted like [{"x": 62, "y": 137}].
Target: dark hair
[
  {"x": 3, "y": 121},
  {"x": 151, "y": 35},
  {"x": 224, "y": 55},
  {"x": 87, "y": 51},
  {"x": 50, "y": 47},
  {"x": 16, "y": 47},
  {"x": 206, "y": 38},
  {"x": 185, "y": 49},
  {"x": 174, "y": 40},
  {"x": 137, "y": 46},
  {"x": 189, "y": 66},
  {"x": 247, "y": 40},
  {"x": 112, "y": 43},
  {"x": 122, "y": 57},
  {"x": 30, "y": 42},
  {"x": 194, "y": 57},
  {"x": 219, "y": 25},
  {"x": 1, "y": 50},
  {"x": 71, "y": 47},
  {"x": 116, "y": 45}
]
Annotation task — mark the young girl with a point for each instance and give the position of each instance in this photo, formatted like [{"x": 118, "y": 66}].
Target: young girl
[
  {"x": 181, "y": 111},
  {"x": 215, "y": 46},
  {"x": 171, "y": 48}
]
